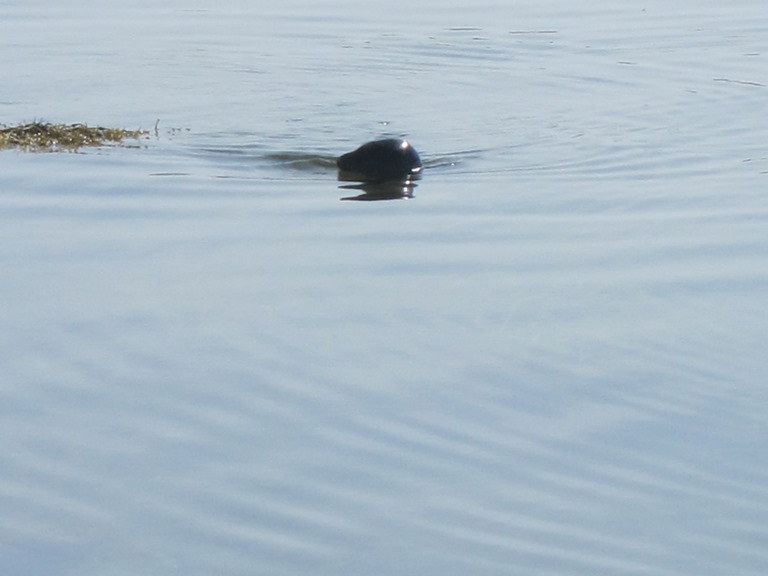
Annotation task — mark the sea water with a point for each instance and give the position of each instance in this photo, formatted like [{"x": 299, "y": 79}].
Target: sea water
[{"x": 549, "y": 360}]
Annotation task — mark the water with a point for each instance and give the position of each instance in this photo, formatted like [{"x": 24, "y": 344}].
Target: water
[{"x": 548, "y": 361}]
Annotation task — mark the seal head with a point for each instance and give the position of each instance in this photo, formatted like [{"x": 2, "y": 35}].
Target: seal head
[{"x": 380, "y": 161}]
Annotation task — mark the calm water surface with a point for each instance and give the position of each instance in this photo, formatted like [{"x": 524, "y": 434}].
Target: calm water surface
[{"x": 551, "y": 360}]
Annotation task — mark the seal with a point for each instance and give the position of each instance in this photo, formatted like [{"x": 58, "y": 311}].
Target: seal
[{"x": 380, "y": 161}]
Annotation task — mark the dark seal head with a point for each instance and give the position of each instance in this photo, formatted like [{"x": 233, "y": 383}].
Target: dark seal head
[{"x": 381, "y": 160}]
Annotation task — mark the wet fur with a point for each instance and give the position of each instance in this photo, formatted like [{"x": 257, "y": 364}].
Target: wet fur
[{"x": 381, "y": 160}]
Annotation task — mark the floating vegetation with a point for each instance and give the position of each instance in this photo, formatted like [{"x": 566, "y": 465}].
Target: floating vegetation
[{"x": 46, "y": 137}]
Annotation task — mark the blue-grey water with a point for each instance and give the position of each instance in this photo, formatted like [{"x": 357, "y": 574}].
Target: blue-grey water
[{"x": 551, "y": 360}]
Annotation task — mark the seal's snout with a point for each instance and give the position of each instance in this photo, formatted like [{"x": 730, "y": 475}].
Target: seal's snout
[{"x": 381, "y": 160}]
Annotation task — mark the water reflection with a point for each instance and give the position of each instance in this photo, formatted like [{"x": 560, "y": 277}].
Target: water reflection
[
  {"x": 392, "y": 190},
  {"x": 396, "y": 189}
]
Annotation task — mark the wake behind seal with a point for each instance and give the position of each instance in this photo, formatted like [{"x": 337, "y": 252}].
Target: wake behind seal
[{"x": 380, "y": 161}]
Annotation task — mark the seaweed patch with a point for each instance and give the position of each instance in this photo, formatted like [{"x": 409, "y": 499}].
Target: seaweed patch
[{"x": 46, "y": 137}]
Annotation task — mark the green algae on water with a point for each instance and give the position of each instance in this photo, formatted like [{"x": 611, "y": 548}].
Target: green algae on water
[{"x": 46, "y": 137}]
